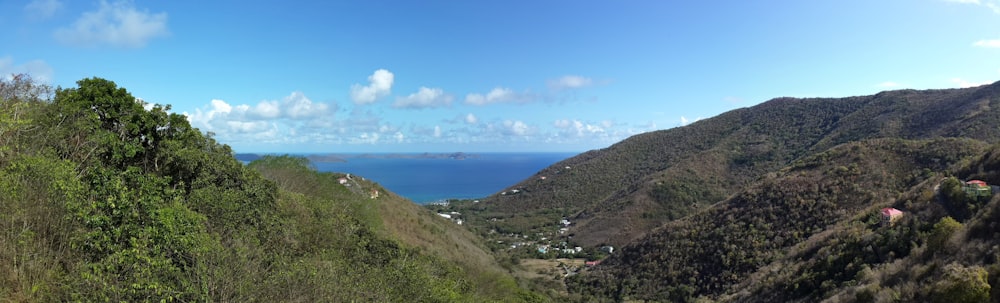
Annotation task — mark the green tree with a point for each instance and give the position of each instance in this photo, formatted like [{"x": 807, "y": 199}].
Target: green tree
[
  {"x": 942, "y": 232},
  {"x": 962, "y": 284},
  {"x": 100, "y": 121},
  {"x": 18, "y": 96}
]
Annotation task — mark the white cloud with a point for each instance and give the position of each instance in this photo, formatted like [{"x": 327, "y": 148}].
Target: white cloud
[
  {"x": 424, "y": 98},
  {"x": 592, "y": 134},
  {"x": 294, "y": 117},
  {"x": 516, "y": 128},
  {"x": 498, "y": 95},
  {"x": 117, "y": 24},
  {"x": 964, "y": 83},
  {"x": 221, "y": 106},
  {"x": 42, "y": 9},
  {"x": 385, "y": 128},
  {"x": 994, "y": 43},
  {"x": 37, "y": 69},
  {"x": 686, "y": 121},
  {"x": 437, "y": 131},
  {"x": 570, "y": 82},
  {"x": 361, "y": 120},
  {"x": 379, "y": 85},
  {"x": 266, "y": 109},
  {"x": 248, "y": 126},
  {"x": 366, "y": 138},
  {"x": 577, "y": 128},
  {"x": 964, "y": 1},
  {"x": 205, "y": 118},
  {"x": 471, "y": 119},
  {"x": 297, "y": 105},
  {"x": 229, "y": 122},
  {"x": 421, "y": 131},
  {"x": 562, "y": 123}
]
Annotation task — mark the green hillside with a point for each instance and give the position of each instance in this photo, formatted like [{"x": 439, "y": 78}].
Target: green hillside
[{"x": 105, "y": 200}]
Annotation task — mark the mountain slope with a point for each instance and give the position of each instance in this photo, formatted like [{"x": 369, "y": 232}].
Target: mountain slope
[
  {"x": 707, "y": 253},
  {"x": 616, "y": 194}
]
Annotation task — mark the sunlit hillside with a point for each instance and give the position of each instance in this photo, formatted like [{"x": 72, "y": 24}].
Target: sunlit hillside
[{"x": 109, "y": 199}]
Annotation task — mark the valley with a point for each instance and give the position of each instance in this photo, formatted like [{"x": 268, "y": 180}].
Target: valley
[
  {"x": 880, "y": 198},
  {"x": 706, "y": 211}
]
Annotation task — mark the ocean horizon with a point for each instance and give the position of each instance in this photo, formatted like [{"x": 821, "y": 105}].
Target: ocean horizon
[{"x": 436, "y": 177}]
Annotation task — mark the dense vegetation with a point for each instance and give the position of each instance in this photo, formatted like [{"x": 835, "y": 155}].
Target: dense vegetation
[
  {"x": 106, "y": 198},
  {"x": 823, "y": 211}
]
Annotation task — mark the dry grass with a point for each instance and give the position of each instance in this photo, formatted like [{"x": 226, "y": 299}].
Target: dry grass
[{"x": 547, "y": 271}]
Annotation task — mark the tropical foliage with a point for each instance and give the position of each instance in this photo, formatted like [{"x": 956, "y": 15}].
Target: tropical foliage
[{"x": 107, "y": 198}]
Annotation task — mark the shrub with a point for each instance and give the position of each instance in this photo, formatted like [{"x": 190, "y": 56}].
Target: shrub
[{"x": 962, "y": 284}]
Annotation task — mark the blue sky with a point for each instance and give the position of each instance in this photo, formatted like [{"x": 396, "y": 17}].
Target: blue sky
[{"x": 478, "y": 76}]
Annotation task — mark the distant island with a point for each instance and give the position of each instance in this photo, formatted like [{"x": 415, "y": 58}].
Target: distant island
[{"x": 329, "y": 158}]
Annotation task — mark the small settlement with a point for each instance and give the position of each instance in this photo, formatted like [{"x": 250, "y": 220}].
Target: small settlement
[{"x": 972, "y": 188}]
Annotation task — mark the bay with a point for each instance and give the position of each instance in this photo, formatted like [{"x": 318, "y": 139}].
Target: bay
[{"x": 434, "y": 179}]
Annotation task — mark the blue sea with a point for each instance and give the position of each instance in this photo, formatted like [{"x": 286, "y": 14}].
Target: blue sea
[{"x": 427, "y": 180}]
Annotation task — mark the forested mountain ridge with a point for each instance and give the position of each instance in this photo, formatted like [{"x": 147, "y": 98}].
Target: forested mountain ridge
[
  {"x": 802, "y": 233},
  {"x": 616, "y": 194},
  {"x": 106, "y": 198}
]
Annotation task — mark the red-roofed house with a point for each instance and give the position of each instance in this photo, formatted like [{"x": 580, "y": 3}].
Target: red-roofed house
[
  {"x": 977, "y": 183},
  {"x": 978, "y": 188},
  {"x": 890, "y": 215}
]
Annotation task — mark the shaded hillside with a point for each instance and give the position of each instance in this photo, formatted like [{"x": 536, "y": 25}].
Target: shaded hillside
[
  {"x": 618, "y": 193},
  {"x": 707, "y": 253},
  {"x": 937, "y": 253},
  {"x": 107, "y": 200}
]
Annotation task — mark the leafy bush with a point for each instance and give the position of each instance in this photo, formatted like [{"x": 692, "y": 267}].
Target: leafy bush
[{"x": 962, "y": 284}]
